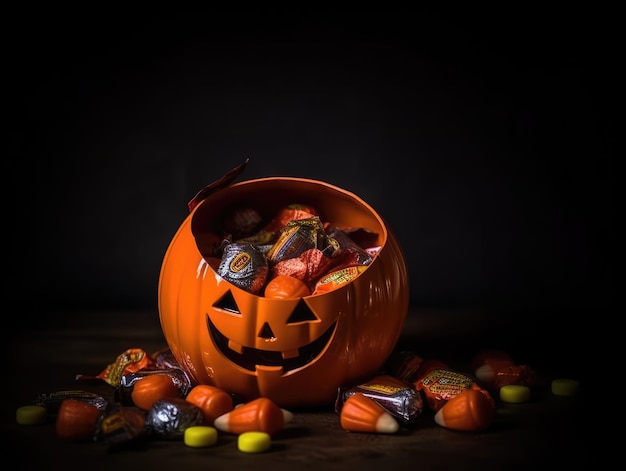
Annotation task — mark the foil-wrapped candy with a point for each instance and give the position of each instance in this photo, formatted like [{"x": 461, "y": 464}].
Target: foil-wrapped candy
[
  {"x": 245, "y": 266},
  {"x": 170, "y": 417}
]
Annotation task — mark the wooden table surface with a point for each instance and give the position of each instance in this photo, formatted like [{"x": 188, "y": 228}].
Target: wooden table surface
[{"x": 47, "y": 357}]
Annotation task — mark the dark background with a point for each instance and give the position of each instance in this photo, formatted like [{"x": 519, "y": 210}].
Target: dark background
[{"x": 477, "y": 135}]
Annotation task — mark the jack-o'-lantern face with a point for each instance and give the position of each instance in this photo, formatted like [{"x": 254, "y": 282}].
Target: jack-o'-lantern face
[
  {"x": 286, "y": 335},
  {"x": 299, "y": 351}
]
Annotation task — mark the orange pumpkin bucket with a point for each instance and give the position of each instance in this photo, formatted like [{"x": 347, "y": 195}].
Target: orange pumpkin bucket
[{"x": 296, "y": 350}]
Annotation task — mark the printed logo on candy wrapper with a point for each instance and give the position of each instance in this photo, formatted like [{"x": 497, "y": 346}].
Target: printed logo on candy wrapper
[
  {"x": 240, "y": 261},
  {"x": 445, "y": 381}
]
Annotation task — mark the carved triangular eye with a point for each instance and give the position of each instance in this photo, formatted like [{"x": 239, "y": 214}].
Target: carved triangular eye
[
  {"x": 227, "y": 303},
  {"x": 302, "y": 313}
]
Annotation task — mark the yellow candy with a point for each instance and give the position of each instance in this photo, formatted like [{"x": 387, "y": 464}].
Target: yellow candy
[
  {"x": 199, "y": 436},
  {"x": 254, "y": 442},
  {"x": 515, "y": 393},
  {"x": 565, "y": 387},
  {"x": 31, "y": 415}
]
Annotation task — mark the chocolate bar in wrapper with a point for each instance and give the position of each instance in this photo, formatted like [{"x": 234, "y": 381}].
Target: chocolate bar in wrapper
[
  {"x": 299, "y": 236},
  {"x": 121, "y": 427}
]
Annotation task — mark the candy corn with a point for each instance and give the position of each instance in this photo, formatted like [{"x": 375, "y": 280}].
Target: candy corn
[
  {"x": 362, "y": 414},
  {"x": 470, "y": 410},
  {"x": 150, "y": 389},
  {"x": 259, "y": 415},
  {"x": 212, "y": 400}
]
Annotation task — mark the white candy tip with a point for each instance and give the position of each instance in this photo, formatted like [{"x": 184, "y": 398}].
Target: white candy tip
[
  {"x": 387, "y": 424},
  {"x": 287, "y": 416}
]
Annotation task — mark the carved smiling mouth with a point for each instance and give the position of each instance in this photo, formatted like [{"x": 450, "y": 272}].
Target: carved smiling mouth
[{"x": 249, "y": 358}]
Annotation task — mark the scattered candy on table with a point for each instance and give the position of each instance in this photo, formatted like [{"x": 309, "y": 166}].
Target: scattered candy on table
[{"x": 160, "y": 402}]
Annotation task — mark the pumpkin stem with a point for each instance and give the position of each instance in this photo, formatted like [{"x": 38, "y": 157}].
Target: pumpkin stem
[{"x": 217, "y": 185}]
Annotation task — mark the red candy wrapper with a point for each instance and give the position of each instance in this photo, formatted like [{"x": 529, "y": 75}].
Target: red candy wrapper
[{"x": 308, "y": 267}]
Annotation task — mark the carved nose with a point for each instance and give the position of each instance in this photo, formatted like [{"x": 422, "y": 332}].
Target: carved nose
[{"x": 266, "y": 332}]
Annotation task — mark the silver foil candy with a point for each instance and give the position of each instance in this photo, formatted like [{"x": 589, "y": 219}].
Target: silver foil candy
[{"x": 170, "y": 417}]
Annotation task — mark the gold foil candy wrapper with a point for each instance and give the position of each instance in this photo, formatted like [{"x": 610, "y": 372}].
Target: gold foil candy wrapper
[
  {"x": 299, "y": 236},
  {"x": 245, "y": 266},
  {"x": 129, "y": 361},
  {"x": 169, "y": 418}
]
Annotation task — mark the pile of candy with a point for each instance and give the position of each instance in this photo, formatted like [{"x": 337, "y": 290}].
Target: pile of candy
[
  {"x": 153, "y": 398},
  {"x": 295, "y": 254}
]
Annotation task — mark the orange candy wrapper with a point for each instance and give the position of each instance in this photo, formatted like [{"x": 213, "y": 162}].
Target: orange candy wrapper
[
  {"x": 130, "y": 361},
  {"x": 495, "y": 369}
]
